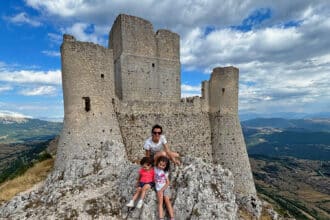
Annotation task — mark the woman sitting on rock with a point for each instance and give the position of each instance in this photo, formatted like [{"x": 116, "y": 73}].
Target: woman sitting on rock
[{"x": 157, "y": 146}]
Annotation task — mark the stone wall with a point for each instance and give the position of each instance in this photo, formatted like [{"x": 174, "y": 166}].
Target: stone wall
[
  {"x": 118, "y": 94},
  {"x": 90, "y": 121},
  {"x": 185, "y": 125},
  {"x": 228, "y": 144},
  {"x": 147, "y": 64}
]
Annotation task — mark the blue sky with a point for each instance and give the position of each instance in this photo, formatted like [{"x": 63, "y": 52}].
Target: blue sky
[{"x": 281, "y": 48}]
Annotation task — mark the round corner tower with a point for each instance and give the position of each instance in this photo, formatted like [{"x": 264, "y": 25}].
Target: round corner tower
[
  {"x": 89, "y": 118},
  {"x": 228, "y": 143}
]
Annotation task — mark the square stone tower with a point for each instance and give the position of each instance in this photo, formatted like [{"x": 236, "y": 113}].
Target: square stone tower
[{"x": 147, "y": 64}]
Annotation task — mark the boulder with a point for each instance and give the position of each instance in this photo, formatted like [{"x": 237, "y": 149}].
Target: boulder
[{"x": 200, "y": 190}]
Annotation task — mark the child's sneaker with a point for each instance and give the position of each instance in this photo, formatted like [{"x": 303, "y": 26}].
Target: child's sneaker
[
  {"x": 130, "y": 204},
  {"x": 139, "y": 204}
]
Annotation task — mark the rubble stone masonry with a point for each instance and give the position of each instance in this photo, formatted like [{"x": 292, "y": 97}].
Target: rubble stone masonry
[{"x": 118, "y": 93}]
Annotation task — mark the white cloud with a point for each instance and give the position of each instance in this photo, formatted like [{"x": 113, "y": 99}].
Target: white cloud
[
  {"x": 29, "y": 76},
  {"x": 189, "y": 88},
  {"x": 52, "y": 53},
  {"x": 282, "y": 67},
  {"x": 188, "y": 94},
  {"x": 42, "y": 90},
  {"x": 85, "y": 32},
  {"x": 5, "y": 88},
  {"x": 55, "y": 38},
  {"x": 5, "y": 113},
  {"x": 22, "y": 18}
]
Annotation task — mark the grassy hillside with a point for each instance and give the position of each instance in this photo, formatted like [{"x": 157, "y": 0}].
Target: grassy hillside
[
  {"x": 21, "y": 142},
  {"x": 20, "y": 158},
  {"x": 38, "y": 172},
  {"x": 298, "y": 188}
]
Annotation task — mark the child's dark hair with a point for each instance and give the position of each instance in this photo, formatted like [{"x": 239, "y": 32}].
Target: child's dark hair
[
  {"x": 146, "y": 160},
  {"x": 164, "y": 159}
]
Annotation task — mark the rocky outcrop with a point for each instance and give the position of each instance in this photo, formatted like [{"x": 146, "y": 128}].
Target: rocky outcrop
[{"x": 199, "y": 191}]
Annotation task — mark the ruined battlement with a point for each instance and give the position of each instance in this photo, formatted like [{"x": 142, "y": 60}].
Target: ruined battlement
[{"x": 117, "y": 94}]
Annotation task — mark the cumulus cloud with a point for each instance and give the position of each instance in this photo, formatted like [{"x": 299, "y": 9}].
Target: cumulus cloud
[
  {"x": 41, "y": 90},
  {"x": 29, "y": 76},
  {"x": 22, "y": 18},
  {"x": 55, "y": 38},
  {"x": 189, "y": 88},
  {"x": 5, "y": 113},
  {"x": 86, "y": 32},
  {"x": 283, "y": 58},
  {"x": 5, "y": 88},
  {"x": 51, "y": 53}
]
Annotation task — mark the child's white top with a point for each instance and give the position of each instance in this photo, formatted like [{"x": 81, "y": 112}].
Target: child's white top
[{"x": 160, "y": 178}]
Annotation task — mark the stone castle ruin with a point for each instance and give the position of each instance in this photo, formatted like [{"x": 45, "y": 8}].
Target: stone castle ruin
[
  {"x": 118, "y": 93},
  {"x": 112, "y": 98}
]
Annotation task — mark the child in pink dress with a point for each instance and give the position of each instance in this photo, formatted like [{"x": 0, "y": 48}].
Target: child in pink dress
[{"x": 145, "y": 181}]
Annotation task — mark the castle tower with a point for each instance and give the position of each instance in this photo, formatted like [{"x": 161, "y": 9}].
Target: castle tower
[
  {"x": 147, "y": 64},
  {"x": 227, "y": 138},
  {"x": 89, "y": 120}
]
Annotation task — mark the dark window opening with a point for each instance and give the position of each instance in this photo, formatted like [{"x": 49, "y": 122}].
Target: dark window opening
[
  {"x": 223, "y": 90},
  {"x": 87, "y": 103},
  {"x": 102, "y": 76},
  {"x": 153, "y": 65}
]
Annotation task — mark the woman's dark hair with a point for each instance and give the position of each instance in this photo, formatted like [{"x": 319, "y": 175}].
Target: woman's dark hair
[
  {"x": 157, "y": 126},
  {"x": 146, "y": 160},
  {"x": 164, "y": 159}
]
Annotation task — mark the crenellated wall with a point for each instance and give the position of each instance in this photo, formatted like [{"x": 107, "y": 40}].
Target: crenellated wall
[{"x": 118, "y": 94}]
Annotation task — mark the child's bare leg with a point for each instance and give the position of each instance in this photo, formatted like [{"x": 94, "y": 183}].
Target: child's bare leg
[
  {"x": 144, "y": 190},
  {"x": 160, "y": 204},
  {"x": 169, "y": 206},
  {"x": 137, "y": 193}
]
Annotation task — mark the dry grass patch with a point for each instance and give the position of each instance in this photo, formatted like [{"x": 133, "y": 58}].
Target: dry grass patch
[
  {"x": 312, "y": 196},
  {"x": 32, "y": 176}
]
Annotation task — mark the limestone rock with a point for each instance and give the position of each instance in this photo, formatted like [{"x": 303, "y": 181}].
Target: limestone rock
[{"x": 199, "y": 191}]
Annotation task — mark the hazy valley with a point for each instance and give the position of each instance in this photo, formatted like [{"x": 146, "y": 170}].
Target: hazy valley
[{"x": 289, "y": 158}]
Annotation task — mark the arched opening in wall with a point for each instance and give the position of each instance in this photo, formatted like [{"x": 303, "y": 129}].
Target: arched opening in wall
[
  {"x": 87, "y": 103},
  {"x": 153, "y": 65},
  {"x": 223, "y": 90},
  {"x": 102, "y": 76}
]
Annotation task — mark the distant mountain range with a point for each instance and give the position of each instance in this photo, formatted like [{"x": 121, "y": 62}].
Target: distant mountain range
[
  {"x": 285, "y": 115},
  {"x": 277, "y": 137},
  {"x": 320, "y": 124},
  {"x": 20, "y": 130}
]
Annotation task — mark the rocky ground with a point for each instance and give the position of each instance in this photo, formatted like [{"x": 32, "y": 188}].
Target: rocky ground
[{"x": 200, "y": 191}]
